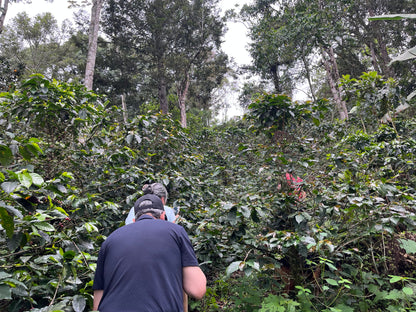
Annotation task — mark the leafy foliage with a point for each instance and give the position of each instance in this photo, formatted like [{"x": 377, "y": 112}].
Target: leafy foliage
[{"x": 70, "y": 173}]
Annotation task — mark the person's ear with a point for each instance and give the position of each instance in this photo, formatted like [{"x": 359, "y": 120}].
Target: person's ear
[
  {"x": 163, "y": 215},
  {"x": 134, "y": 220},
  {"x": 163, "y": 199}
]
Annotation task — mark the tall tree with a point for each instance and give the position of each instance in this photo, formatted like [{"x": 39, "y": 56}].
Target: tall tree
[
  {"x": 172, "y": 40},
  {"x": 39, "y": 45},
  {"x": 337, "y": 33},
  {"x": 4, "y": 6},
  {"x": 272, "y": 47},
  {"x": 92, "y": 42}
]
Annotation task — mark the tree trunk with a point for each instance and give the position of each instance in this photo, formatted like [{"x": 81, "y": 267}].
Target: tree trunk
[
  {"x": 333, "y": 79},
  {"x": 308, "y": 76},
  {"x": 163, "y": 100},
  {"x": 182, "y": 94},
  {"x": 383, "y": 57},
  {"x": 3, "y": 12},
  {"x": 374, "y": 58},
  {"x": 123, "y": 105},
  {"x": 92, "y": 42},
  {"x": 274, "y": 70}
]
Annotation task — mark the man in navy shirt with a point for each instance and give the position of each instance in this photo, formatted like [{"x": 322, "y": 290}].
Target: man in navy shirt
[{"x": 146, "y": 265}]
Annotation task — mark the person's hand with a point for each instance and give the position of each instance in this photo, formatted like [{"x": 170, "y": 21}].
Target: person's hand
[{"x": 176, "y": 218}]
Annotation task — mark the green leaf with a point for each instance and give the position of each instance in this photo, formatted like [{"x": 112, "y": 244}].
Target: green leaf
[
  {"x": 245, "y": 211},
  {"x": 6, "y": 155},
  {"x": 44, "y": 226},
  {"x": 9, "y": 187},
  {"x": 408, "y": 245},
  {"x": 138, "y": 139},
  {"x": 331, "y": 266},
  {"x": 299, "y": 218},
  {"x": 391, "y": 17},
  {"x": 79, "y": 303},
  {"x": 395, "y": 279},
  {"x": 11, "y": 209},
  {"x": 407, "y": 55},
  {"x": 394, "y": 295},
  {"x": 5, "y": 292},
  {"x": 332, "y": 282},
  {"x": 68, "y": 175},
  {"x": 411, "y": 95},
  {"x": 61, "y": 188},
  {"x": 69, "y": 255},
  {"x": 14, "y": 242},
  {"x": 90, "y": 227},
  {"x": 129, "y": 138},
  {"x": 37, "y": 179},
  {"x": 4, "y": 275},
  {"x": 60, "y": 209},
  {"x": 7, "y": 222},
  {"x": 316, "y": 121},
  {"x": 235, "y": 266},
  {"x": 25, "y": 179},
  {"x": 408, "y": 291},
  {"x": 25, "y": 152}
]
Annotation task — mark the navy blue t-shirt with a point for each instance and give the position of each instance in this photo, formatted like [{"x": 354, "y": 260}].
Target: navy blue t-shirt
[{"x": 139, "y": 267}]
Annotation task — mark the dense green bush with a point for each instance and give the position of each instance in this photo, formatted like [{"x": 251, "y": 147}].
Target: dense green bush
[{"x": 340, "y": 239}]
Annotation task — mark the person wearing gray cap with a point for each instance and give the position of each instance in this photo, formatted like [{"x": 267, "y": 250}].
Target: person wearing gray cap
[{"x": 147, "y": 265}]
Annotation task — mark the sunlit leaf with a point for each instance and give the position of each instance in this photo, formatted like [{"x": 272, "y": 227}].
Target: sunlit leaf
[
  {"x": 408, "y": 291},
  {"x": 393, "y": 17},
  {"x": 44, "y": 226},
  {"x": 9, "y": 187},
  {"x": 409, "y": 245},
  {"x": 233, "y": 267},
  {"x": 25, "y": 179}
]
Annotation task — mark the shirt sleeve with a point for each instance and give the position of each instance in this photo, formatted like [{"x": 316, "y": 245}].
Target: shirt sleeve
[
  {"x": 187, "y": 251},
  {"x": 99, "y": 271},
  {"x": 130, "y": 216}
]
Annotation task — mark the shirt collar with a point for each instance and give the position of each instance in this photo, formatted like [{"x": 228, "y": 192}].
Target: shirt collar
[{"x": 145, "y": 216}]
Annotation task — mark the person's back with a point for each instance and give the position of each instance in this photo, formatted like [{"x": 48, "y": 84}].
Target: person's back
[
  {"x": 143, "y": 267},
  {"x": 146, "y": 266}
]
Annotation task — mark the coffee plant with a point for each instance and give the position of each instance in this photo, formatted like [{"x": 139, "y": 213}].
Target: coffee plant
[{"x": 303, "y": 214}]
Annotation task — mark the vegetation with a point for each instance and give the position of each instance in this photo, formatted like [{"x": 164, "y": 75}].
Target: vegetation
[
  {"x": 70, "y": 172},
  {"x": 288, "y": 208}
]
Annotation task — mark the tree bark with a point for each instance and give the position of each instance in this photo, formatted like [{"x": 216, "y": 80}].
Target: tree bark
[
  {"x": 383, "y": 57},
  {"x": 123, "y": 105},
  {"x": 182, "y": 94},
  {"x": 92, "y": 42},
  {"x": 333, "y": 79},
  {"x": 308, "y": 76},
  {"x": 274, "y": 70},
  {"x": 163, "y": 100},
  {"x": 374, "y": 57},
  {"x": 3, "y": 12}
]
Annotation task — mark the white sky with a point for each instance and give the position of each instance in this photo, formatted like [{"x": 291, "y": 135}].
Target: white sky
[{"x": 234, "y": 45}]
